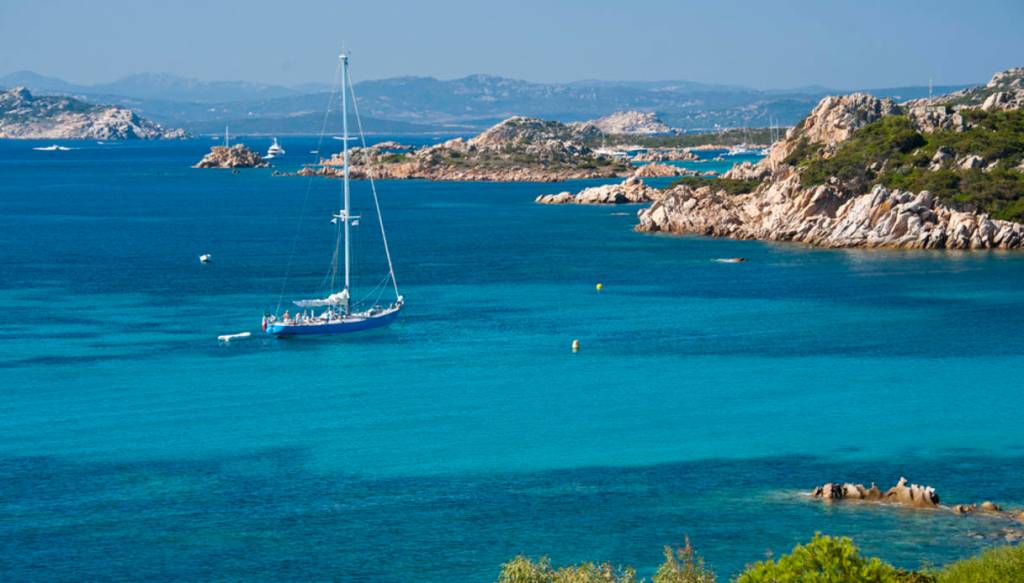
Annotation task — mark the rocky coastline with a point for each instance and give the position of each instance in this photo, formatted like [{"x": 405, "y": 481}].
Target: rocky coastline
[
  {"x": 27, "y": 116},
  {"x": 519, "y": 149},
  {"x": 839, "y": 212},
  {"x": 824, "y": 216}
]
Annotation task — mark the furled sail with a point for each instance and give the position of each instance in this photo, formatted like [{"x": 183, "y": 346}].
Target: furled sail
[{"x": 338, "y": 299}]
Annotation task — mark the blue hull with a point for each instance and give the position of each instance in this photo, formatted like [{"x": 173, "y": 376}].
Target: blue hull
[{"x": 282, "y": 330}]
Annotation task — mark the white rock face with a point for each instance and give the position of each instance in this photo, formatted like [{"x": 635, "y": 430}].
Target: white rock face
[
  {"x": 971, "y": 162},
  {"x": 632, "y": 190},
  {"x": 783, "y": 211},
  {"x": 630, "y": 122},
  {"x": 25, "y": 116},
  {"x": 832, "y": 121},
  {"x": 661, "y": 170}
]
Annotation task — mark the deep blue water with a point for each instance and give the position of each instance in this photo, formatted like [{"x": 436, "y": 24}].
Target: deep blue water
[{"x": 706, "y": 398}]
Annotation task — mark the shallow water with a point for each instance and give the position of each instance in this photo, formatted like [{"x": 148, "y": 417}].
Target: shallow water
[{"x": 705, "y": 398}]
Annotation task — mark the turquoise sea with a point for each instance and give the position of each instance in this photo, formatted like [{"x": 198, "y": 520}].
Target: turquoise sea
[{"x": 706, "y": 400}]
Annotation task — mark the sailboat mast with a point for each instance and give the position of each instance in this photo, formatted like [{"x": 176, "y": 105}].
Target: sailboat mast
[{"x": 344, "y": 150}]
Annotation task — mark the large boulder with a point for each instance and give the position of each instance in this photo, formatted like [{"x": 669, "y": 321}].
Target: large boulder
[
  {"x": 237, "y": 156},
  {"x": 632, "y": 190}
]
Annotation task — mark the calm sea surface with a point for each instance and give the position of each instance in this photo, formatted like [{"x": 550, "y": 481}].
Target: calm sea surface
[{"x": 706, "y": 398}]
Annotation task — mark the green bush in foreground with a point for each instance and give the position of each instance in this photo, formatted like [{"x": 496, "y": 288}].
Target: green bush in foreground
[
  {"x": 1001, "y": 564},
  {"x": 823, "y": 560},
  {"x": 523, "y": 570},
  {"x": 683, "y": 566}
]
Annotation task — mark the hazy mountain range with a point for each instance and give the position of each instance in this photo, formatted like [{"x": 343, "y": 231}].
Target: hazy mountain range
[{"x": 426, "y": 104}]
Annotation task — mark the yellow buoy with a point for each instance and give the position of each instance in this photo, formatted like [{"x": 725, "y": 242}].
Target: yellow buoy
[
  {"x": 599, "y": 286},
  {"x": 575, "y": 345}
]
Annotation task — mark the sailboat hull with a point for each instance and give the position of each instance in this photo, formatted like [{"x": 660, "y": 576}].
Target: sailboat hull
[{"x": 352, "y": 324}]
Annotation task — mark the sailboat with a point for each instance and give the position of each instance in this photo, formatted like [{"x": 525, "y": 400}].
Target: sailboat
[{"x": 338, "y": 314}]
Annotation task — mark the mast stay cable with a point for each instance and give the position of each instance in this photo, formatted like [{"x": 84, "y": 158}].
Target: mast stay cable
[
  {"x": 373, "y": 189},
  {"x": 309, "y": 187}
]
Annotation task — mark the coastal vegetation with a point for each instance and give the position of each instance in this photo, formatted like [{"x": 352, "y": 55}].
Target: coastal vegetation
[
  {"x": 977, "y": 169},
  {"x": 825, "y": 559},
  {"x": 729, "y": 137},
  {"x": 729, "y": 185}
]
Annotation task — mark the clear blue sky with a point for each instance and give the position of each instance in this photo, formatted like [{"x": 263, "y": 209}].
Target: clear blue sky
[{"x": 764, "y": 44}]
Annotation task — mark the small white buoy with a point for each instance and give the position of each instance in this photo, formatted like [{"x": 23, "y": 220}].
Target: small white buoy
[
  {"x": 576, "y": 345},
  {"x": 230, "y": 337},
  {"x": 205, "y": 258}
]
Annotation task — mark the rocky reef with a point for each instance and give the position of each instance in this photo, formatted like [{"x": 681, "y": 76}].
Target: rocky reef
[
  {"x": 26, "y": 116},
  {"x": 902, "y": 493},
  {"x": 630, "y": 122},
  {"x": 852, "y": 208},
  {"x": 632, "y": 190},
  {"x": 917, "y": 496},
  {"x": 237, "y": 156},
  {"x": 519, "y": 149}
]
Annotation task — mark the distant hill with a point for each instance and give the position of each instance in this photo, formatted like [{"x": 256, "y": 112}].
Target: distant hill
[
  {"x": 473, "y": 102},
  {"x": 26, "y": 116}
]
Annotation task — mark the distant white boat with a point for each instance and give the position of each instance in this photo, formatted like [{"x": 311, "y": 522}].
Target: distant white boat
[
  {"x": 230, "y": 337},
  {"x": 741, "y": 150},
  {"x": 205, "y": 258},
  {"x": 275, "y": 150},
  {"x": 53, "y": 148}
]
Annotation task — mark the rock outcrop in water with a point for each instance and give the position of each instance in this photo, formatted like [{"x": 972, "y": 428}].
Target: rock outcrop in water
[
  {"x": 848, "y": 211},
  {"x": 917, "y": 496},
  {"x": 902, "y": 493},
  {"x": 632, "y": 190},
  {"x": 519, "y": 149},
  {"x": 237, "y": 156},
  {"x": 26, "y": 116}
]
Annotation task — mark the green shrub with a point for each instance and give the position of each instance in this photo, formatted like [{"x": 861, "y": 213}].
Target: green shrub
[
  {"x": 523, "y": 570},
  {"x": 1000, "y": 564},
  {"x": 683, "y": 566},
  {"x": 889, "y": 152},
  {"x": 823, "y": 560},
  {"x": 730, "y": 185}
]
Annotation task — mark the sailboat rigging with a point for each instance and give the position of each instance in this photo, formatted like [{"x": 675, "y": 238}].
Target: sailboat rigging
[{"x": 339, "y": 314}]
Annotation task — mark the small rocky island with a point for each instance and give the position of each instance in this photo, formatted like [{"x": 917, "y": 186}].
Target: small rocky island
[
  {"x": 237, "y": 156},
  {"x": 27, "y": 116},
  {"x": 519, "y": 149}
]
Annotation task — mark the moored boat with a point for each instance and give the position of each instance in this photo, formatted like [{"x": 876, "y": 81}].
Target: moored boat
[{"x": 335, "y": 313}]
